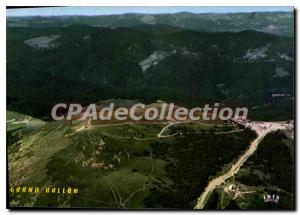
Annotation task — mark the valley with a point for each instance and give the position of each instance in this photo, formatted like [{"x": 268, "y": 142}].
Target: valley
[{"x": 64, "y": 72}]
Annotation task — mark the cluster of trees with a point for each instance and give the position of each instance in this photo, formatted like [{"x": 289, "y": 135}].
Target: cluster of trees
[
  {"x": 106, "y": 65},
  {"x": 191, "y": 160},
  {"x": 274, "y": 159}
]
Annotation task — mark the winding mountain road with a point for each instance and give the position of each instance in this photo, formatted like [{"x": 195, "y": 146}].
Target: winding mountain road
[{"x": 261, "y": 128}]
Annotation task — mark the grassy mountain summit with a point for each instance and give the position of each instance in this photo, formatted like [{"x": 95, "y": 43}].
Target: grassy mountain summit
[{"x": 191, "y": 60}]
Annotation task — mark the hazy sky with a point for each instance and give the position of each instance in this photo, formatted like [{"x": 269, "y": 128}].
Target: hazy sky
[{"x": 89, "y": 11}]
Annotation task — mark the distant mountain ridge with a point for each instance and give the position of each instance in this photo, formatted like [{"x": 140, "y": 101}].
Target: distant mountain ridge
[
  {"x": 280, "y": 23},
  {"x": 89, "y": 63}
]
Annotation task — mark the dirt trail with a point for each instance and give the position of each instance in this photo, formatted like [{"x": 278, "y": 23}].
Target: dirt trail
[
  {"x": 261, "y": 128},
  {"x": 160, "y": 134}
]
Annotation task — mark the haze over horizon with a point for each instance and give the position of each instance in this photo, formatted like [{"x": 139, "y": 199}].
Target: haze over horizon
[{"x": 108, "y": 10}]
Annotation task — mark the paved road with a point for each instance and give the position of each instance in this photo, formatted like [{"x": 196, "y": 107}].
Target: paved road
[{"x": 261, "y": 128}]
